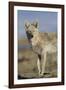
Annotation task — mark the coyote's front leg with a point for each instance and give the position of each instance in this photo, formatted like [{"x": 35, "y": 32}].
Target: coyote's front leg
[
  {"x": 39, "y": 67},
  {"x": 39, "y": 64},
  {"x": 43, "y": 63}
]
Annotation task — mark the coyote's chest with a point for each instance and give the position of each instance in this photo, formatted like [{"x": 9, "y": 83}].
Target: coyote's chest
[{"x": 36, "y": 45}]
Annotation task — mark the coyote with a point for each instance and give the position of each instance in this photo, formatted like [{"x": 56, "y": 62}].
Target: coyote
[{"x": 41, "y": 46}]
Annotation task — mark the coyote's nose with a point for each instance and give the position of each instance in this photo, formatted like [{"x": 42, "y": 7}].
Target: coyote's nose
[{"x": 29, "y": 35}]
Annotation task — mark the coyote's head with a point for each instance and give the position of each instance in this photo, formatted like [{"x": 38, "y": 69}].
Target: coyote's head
[{"x": 31, "y": 29}]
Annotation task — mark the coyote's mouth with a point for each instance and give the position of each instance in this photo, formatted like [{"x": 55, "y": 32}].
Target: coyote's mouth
[{"x": 29, "y": 35}]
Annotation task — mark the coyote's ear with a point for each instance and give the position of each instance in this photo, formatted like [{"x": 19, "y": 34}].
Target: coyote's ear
[
  {"x": 36, "y": 24},
  {"x": 27, "y": 24}
]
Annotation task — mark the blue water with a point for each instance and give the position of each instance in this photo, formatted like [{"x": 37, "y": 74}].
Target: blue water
[{"x": 24, "y": 47}]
